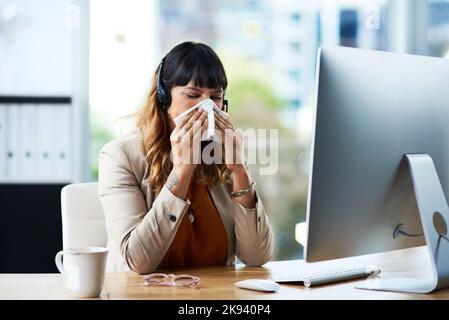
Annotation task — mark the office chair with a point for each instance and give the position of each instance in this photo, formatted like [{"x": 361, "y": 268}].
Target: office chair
[{"x": 83, "y": 220}]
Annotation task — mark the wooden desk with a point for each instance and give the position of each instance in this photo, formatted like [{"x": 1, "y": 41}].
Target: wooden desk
[{"x": 218, "y": 282}]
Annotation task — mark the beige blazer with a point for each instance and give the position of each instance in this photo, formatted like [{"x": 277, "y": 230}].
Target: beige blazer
[{"x": 141, "y": 225}]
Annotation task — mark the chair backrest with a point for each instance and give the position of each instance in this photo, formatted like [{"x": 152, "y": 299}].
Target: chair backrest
[{"x": 83, "y": 221}]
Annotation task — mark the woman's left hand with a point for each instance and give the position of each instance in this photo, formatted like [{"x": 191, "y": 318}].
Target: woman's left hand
[{"x": 233, "y": 144}]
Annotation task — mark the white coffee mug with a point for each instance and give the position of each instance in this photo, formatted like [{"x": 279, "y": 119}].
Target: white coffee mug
[{"x": 83, "y": 270}]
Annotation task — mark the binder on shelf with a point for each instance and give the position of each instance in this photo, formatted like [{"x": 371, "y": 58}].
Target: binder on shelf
[
  {"x": 2, "y": 142},
  {"x": 62, "y": 150},
  {"x": 27, "y": 142},
  {"x": 45, "y": 146},
  {"x": 12, "y": 142}
]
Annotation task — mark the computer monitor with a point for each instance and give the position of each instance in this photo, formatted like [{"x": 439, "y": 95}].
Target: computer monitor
[{"x": 380, "y": 120}]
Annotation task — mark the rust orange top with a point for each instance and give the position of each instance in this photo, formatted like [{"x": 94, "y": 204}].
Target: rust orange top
[{"x": 203, "y": 242}]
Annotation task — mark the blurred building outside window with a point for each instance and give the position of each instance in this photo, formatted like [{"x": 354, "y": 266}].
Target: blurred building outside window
[{"x": 268, "y": 49}]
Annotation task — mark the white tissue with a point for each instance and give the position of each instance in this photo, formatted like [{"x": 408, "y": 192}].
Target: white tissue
[{"x": 209, "y": 106}]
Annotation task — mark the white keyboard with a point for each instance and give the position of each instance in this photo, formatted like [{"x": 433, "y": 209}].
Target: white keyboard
[{"x": 330, "y": 276}]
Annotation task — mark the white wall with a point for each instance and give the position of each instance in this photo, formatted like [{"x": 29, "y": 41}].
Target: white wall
[{"x": 35, "y": 47}]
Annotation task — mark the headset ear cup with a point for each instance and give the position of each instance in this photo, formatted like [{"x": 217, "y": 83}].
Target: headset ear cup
[
  {"x": 162, "y": 97},
  {"x": 166, "y": 97},
  {"x": 163, "y": 94}
]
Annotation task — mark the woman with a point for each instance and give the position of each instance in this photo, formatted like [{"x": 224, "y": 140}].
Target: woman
[{"x": 162, "y": 212}]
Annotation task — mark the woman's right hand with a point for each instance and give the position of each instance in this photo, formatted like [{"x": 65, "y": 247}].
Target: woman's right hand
[{"x": 185, "y": 142}]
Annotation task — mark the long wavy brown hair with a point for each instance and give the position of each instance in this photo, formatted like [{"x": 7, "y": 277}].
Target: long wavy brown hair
[{"x": 185, "y": 62}]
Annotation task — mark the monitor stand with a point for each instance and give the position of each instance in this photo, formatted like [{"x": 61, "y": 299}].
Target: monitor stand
[{"x": 434, "y": 212}]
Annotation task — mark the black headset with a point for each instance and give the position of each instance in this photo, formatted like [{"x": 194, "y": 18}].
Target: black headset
[{"x": 163, "y": 93}]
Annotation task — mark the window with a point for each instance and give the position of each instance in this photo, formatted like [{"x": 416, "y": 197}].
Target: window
[
  {"x": 295, "y": 103},
  {"x": 438, "y": 28},
  {"x": 294, "y": 75},
  {"x": 295, "y": 46},
  {"x": 295, "y": 17},
  {"x": 258, "y": 68}
]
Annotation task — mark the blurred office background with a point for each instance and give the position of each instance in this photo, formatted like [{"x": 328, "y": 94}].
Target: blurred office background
[{"x": 70, "y": 70}]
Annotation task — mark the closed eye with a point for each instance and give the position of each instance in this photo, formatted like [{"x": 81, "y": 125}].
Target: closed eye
[{"x": 192, "y": 96}]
